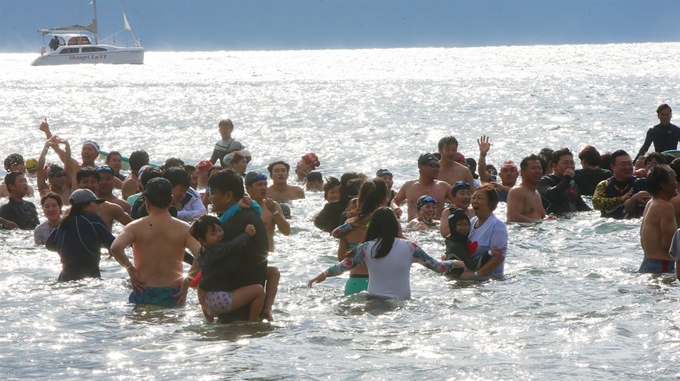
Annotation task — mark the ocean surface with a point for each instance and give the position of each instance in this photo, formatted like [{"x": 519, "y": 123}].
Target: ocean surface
[{"x": 571, "y": 306}]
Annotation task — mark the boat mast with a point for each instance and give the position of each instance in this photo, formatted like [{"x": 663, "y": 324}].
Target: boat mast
[{"x": 96, "y": 33}]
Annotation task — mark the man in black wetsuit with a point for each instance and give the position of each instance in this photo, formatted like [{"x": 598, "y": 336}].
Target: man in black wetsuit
[
  {"x": 558, "y": 190},
  {"x": 226, "y": 189},
  {"x": 17, "y": 210},
  {"x": 664, "y": 135}
]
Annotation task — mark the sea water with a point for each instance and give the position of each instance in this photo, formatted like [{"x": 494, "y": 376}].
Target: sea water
[{"x": 571, "y": 305}]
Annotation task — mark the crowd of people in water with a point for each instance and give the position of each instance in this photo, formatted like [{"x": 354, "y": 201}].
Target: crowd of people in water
[{"x": 164, "y": 210}]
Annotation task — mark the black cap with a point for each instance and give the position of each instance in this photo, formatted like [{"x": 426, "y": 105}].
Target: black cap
[
  {"x": 426, "y": 159},
  {"x": 158, "y": 187},
  {"x": 422, "y": 200}
]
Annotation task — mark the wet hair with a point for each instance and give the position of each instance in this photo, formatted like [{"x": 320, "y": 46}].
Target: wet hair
[
  {"x": 616, "y": 154},
  {"x": 675, "y": 166},
  {"x": 371, "y": 196},
  {"x": 344, "y": 182},
  {"x": 236, "y": 157},
  {"x": 213, "y": 169},
  {"x": 159, "y": 200},
  {"x": 76, "y": 210},
  {"x": 201, "y": 226},
  {"x": 491, "y": 195},
  {"x": 384, "y": 228},
  {"x": 472, "y": 163},
  {"x": 352, "y": 187},
  {"x": 10, "y": 178},
  {"x": 447, "y": 141},
  {"x": 226, "y": 123},
  {"x": 53, "y": 196},
  {"x": 605, "y": 161},
  {"x": 663, "y": 107},
  {"x": 227, "y": 181},
  {"x": 177, "y": 176},
  {"x": 12, "y": 160},
  {"x": 189, "y": 168},
  {"x": 559, "y": 153},
  {"x": 149, "y": 174},
  {"x": 113, "y": 153},
  {"x": 590, "y": 155},
  {"x": 655, "y": 155},
  {"x": 331, "y": 182},
  {"x": 138, "y": 159},
  {"x": 314, "y": 176},
  {"x": 87, "y": 172},
  {"x": 667, "y": 157},
  {"x": 524, "y": 164},
  {"x": 270, "y": 167},
  {"x": 173, "y": 162},
  {"x": 657, "y": 176}
]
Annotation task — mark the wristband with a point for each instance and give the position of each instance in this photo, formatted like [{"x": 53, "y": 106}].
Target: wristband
[
  {"x": 276, "y": 213},
  {"x": 476, "y": 273}
]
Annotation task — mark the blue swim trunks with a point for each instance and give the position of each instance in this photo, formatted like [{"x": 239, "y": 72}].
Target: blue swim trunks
[
  {"x": 157, "y": 296},
  {"x": 657, "y": 266}
]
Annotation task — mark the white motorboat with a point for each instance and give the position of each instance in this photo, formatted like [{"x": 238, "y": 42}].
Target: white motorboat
[{"x": 78, "y": 44}]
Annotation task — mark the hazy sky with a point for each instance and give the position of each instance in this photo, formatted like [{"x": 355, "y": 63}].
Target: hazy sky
[{"x": 328, "y": 24}]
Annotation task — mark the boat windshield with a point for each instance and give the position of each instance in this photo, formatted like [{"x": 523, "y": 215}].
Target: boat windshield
[{"x": 80, "y": 40}]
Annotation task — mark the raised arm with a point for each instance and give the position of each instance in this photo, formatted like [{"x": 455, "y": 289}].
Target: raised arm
[
  {"x": 484, "y": 146},
  {"x": 43, "y": 188},
  {"x": 444, "y": 228}
]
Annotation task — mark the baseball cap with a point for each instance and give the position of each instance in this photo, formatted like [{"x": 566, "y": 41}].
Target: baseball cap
[
  {"x": 426, "y": 159},
  {"x": 422, "y": 200},
  {"x": 84, "y": 196},
  {"x": 383, "y": 172},
  {"x": 158, "y": 187},
  {"x": 254, "y": 176},
  {"x": 459, "y": 157}
]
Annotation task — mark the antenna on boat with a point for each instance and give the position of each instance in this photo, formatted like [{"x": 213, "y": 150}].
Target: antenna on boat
[{"x": 96, "y": 29}]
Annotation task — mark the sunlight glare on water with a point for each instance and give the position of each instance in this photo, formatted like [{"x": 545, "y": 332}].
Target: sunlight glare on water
[{"x": 571, "y": 305}]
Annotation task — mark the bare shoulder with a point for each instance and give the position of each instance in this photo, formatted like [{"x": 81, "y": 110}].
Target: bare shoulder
[
  {"x": 408, "y": 185},
  {"x": 443, "y": 184}
]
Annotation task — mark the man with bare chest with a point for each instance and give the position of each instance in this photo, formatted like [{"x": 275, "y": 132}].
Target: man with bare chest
[
  {"x": 450, "y": 170},
  {"x": 159, "y": 240},
  {"x": 88, "y": 178},
  {"x": 272, "y": 214},
  {"x": 524, "y": 201},
  {"x": 658, "y": 221},
  {"x": 426, "y": 184},
  {"x": 280, "y": 190}
]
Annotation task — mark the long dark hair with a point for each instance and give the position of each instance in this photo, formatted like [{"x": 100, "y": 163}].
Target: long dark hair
[
  {"x": 76, "y": 210},
  {"x": 384, "y": 228},
  {"x": 371, "y": 196}
]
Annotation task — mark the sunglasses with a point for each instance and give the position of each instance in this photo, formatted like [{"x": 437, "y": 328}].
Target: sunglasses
[
  {"x": 59, "y": 175},
  {"x": 427, "y": 200},
  {"x": 434, "y": 165},
  {"x": 104, "y": 168}
]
